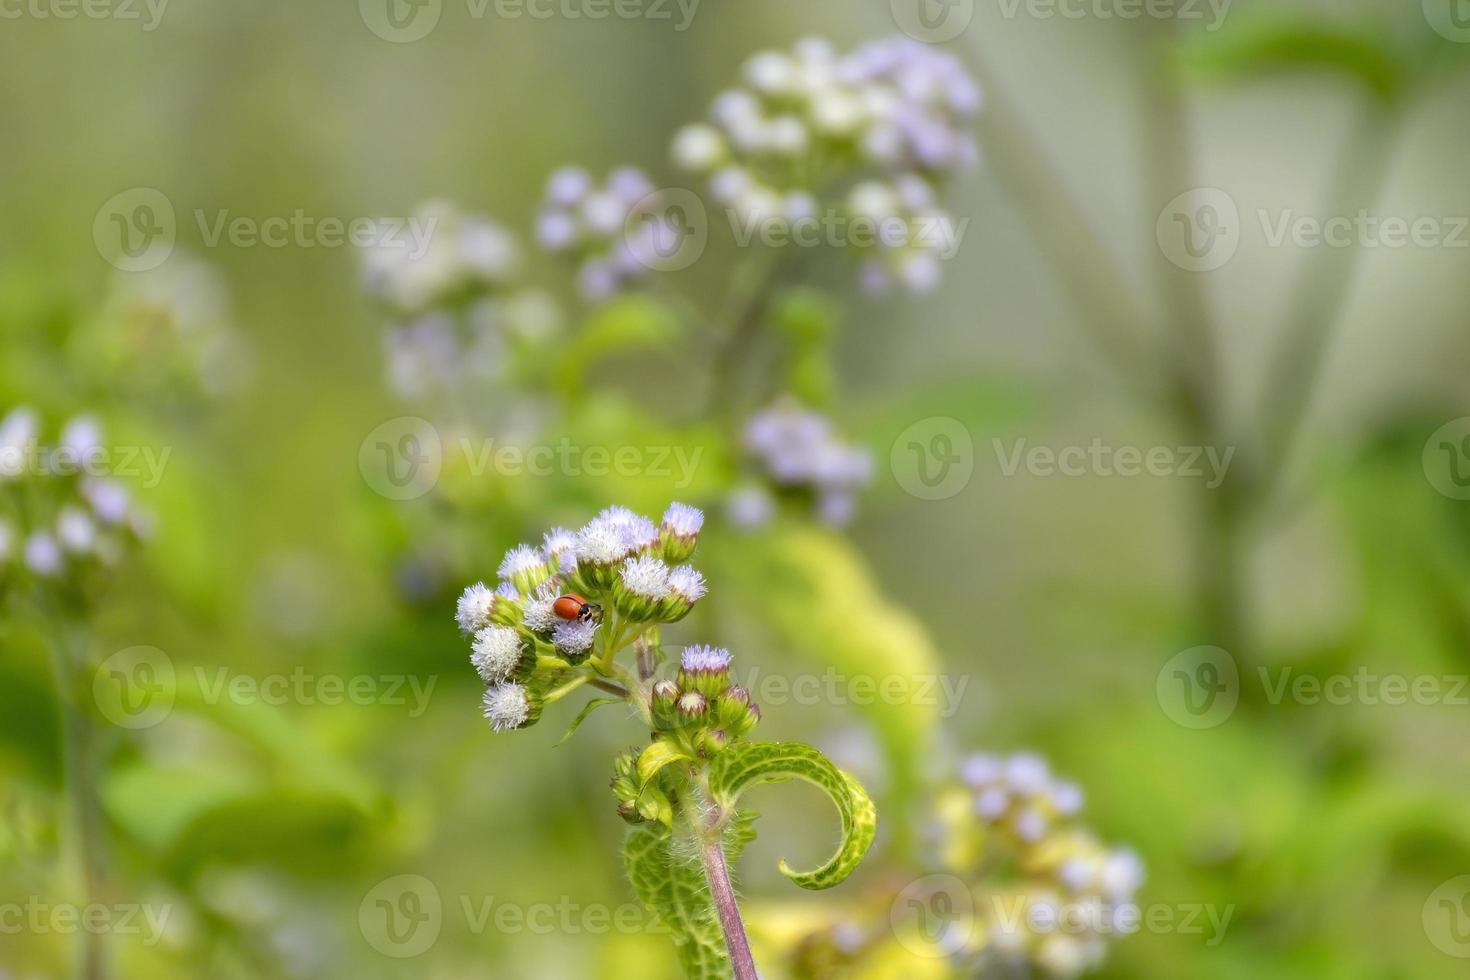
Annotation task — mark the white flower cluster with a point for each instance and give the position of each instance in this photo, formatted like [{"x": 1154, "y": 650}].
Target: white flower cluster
[
  {"x": 453, "y": 292},
  {"x": 798, "y": 452},
  {"x": 170, "y": 326},
  {"x": 551, "y": 600},
  {"x": 614, "y": 231},
  {"x": 1074, "y": 893},
  {"x": 895, "y": 115},
  {"x": 71, "y": 520}
]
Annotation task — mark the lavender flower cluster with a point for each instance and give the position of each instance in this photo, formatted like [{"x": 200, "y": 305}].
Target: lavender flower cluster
[
  {"x": 58, "y": 522},
  {"x": 455, "y": 300},
  {"x": 1072, "y": 892},
  {"x": 894, "y": 115},
  {"x": 798, "y": 454},
  {"x": 614, "y": 231}
]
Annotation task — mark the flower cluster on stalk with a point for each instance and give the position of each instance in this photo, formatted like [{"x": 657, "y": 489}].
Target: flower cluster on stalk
[
  {"x": 1070, "y": 891},
  {"x": 797, "y": 455},
  {"x": 455, "y": 300},
  {"x": 871, "y": 134},
  {"x": 613, "y": 231},
  {"x": 564, "y": 609},
  {"x": 59, "y": 522}
]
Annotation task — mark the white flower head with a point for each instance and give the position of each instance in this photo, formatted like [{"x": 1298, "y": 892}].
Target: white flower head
[
  {"x": 979, "y": 771},
  {"x": 750, "y": 507},
  {"x": 1067, "y": 798},
  {"x": 507, "y": 706},
  {"x": 540, "y": 615},
  {"x": 687, "y": 584},
  {"x": 573, "y": 636},
  {"x": 646, "y": 576},
  {"x": 1122, "y": 874},
  {"x": 520, "y": 560},
  {"x": 496, "y": 653},
  {"x": 699, "y": 148},
  {"x": 568, "y": 186},
  {"x": 1028, "y": 774},
  {"x": 683, "y": 520},
  {"x": 602, "y": 542},
  {"x": 705, "y": 660},
  {"x": 472, "y": 612},
  {"x": 992, "y": 803}
]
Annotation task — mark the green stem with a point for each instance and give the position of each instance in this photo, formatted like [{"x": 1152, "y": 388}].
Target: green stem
[{"x": 78, "y": 761}]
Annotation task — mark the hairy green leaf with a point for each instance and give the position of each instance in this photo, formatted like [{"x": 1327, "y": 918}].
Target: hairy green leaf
[
  {"x": 669, "y": 881},
  {"x": 748, "y": 764},
  {"x": 656, "y": 757}
]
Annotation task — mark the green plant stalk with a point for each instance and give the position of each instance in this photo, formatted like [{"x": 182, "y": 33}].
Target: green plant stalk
[{"x": 78, "y": 741}]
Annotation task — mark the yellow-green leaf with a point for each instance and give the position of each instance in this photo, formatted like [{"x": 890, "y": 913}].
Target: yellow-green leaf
[{"x": 748, "y": 764}]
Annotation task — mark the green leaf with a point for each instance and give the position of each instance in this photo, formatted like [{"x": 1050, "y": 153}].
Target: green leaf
[
  {"x": 669, "y": 881},
  {"x": 656, "y": 757},
  {"x": 748, "y": 764},
  {"x": 587, "y": 709},
  {"x": 814, "y": 591}
]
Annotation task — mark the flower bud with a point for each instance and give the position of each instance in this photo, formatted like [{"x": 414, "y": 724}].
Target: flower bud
[
  {"x": 500, "y": 653},
  {"x": 478, "y": 607},
  {"x": 712, "y": 741},
  {"x": 665, "y": 697},
  {"x": 573, "y": 638},
  {"x": 692, "y": 705}
]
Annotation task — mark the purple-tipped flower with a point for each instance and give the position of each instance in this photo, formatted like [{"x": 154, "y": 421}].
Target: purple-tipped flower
[
  {"x": 525, "y": 567},
  {"x": 573, "y": 638},
  {"x": 679, "y": 532},
  {"x": 560, "y": 546},
  {"x": 705, "y": 669}
]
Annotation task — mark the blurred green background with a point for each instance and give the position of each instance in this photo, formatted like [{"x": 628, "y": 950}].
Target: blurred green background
[{"x": 266, "y": 829}]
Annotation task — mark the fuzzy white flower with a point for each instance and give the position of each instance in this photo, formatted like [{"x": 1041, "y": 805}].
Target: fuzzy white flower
[
  {"x": 699, "y": 148},
  {"x": 601, "y": 543},
  {"x": 574, "y": 636},
  {"x": 540, "y": 615},
  {"x": 687, "y": 584},
  {"x": 561, "y": 545},
  {"x": 506, "y": 706},
  {"x": 520, "y": 560},
  {"x": 993, "y": 803},
  {"x": 472, "y": 612},
  {"x": 646, "y": 576},
  {"x": 496, "y": 652}
]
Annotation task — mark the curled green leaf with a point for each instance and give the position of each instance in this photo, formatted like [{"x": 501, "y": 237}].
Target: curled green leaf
[{"x": 744, "y": 765}]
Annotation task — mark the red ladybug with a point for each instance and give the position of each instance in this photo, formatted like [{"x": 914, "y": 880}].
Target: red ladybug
[{"x": 575, "y": 607}]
